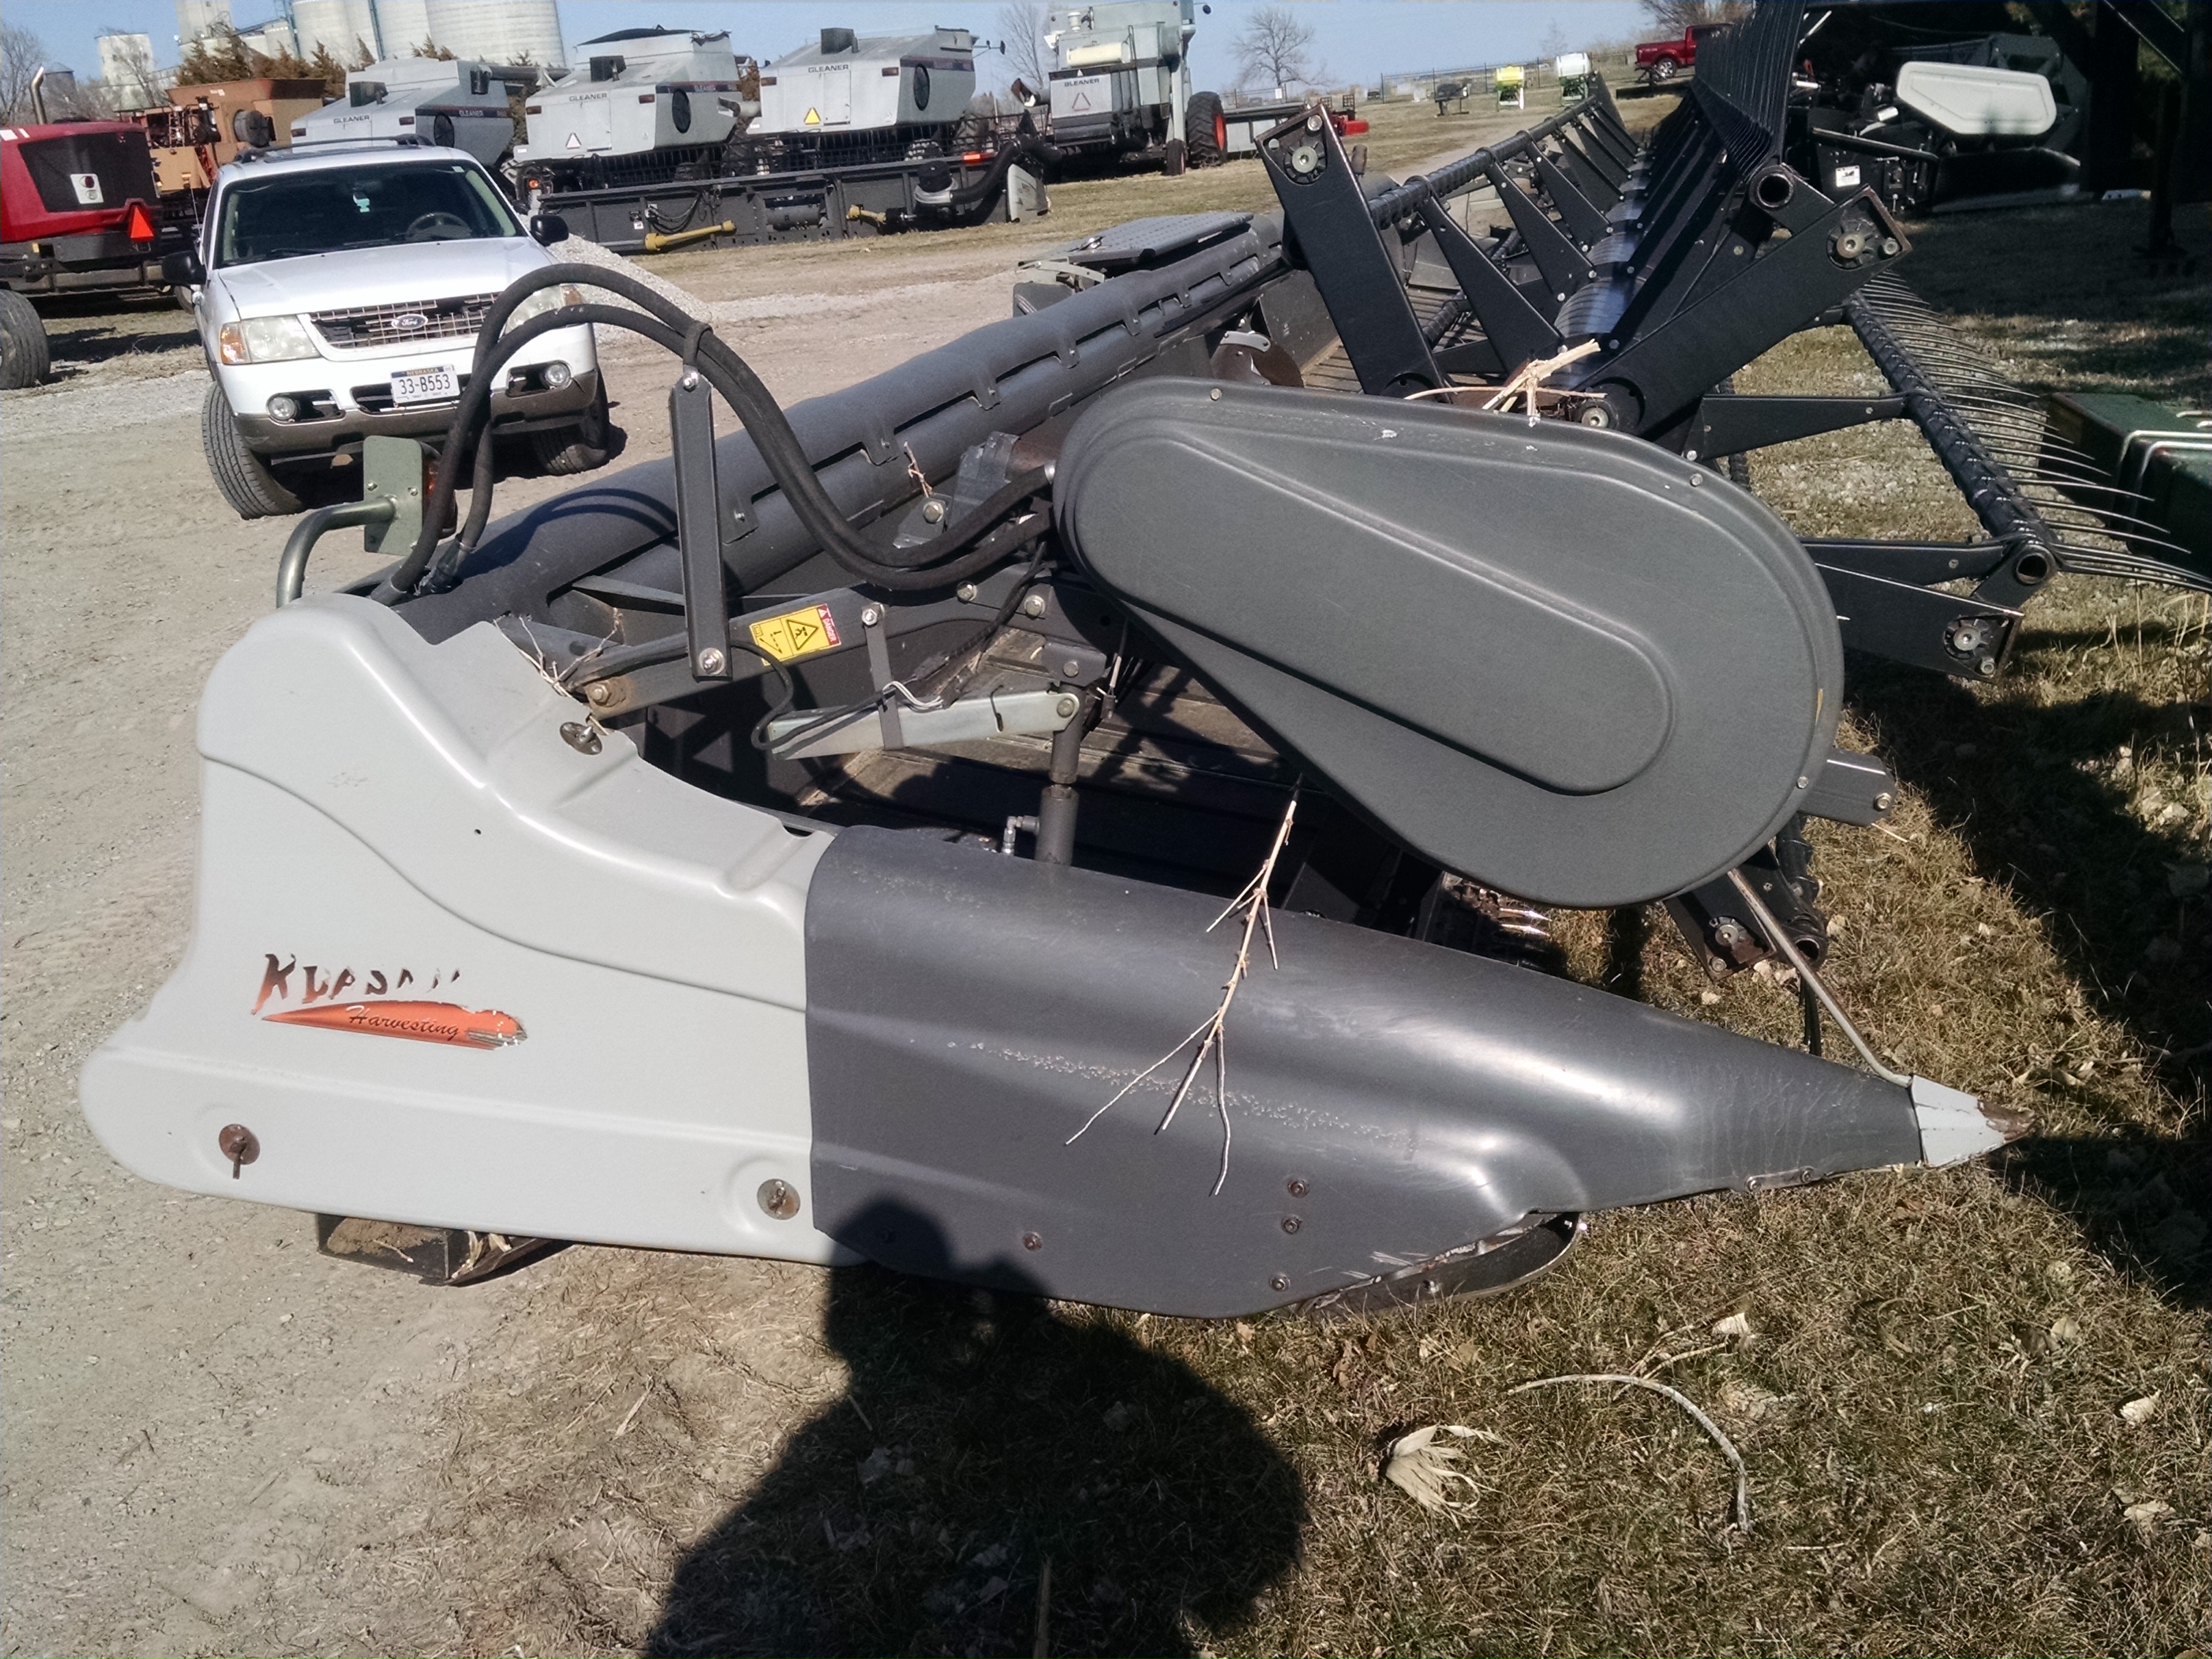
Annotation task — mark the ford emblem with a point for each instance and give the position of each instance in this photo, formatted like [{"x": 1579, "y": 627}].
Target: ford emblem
[{"x": 410, "y": 320}]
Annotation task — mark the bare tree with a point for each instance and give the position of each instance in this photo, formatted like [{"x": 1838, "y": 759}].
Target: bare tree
[
  {"x": 1275, "y": 49},
  {"x": 1029, "y": 60},
  {"x": 1672, "y": 17},
  {"x": 1554, "y": 41},
  {"x": 22, "y": 52}
]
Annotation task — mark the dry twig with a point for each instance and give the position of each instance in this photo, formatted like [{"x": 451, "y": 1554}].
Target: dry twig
[
  {"x": 1727, "y": 1446},
  {"x": 1208, "y": 1034},
  {"x": 1528, "y": 381}
]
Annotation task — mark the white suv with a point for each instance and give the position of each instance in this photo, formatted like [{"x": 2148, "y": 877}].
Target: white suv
[{"x": 339, "y": 289}]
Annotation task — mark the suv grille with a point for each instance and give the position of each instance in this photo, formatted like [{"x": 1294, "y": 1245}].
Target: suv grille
[{"x": 363, "y": 327}]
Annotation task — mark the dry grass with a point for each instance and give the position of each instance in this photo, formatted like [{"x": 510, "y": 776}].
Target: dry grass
[{"x": 1929, "y": 1407}]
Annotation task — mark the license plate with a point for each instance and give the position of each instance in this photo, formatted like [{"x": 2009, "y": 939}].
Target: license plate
[{"x": 424, "y": 385}]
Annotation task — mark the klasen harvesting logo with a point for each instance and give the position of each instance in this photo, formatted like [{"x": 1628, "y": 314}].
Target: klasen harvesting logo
[{"x": 376, "y": 1009}]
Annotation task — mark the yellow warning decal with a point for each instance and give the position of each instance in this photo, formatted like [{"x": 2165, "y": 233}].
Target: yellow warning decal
[
  {"x": 813, "y": 118},
  {"x": 797, "y": 633}
]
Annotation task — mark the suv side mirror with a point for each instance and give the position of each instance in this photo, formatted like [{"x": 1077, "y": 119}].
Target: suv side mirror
[
  {"x": 548, "y": 228},
  {"x": 183, "y": 270}
]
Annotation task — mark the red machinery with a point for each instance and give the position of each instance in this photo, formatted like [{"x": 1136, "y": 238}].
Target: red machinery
[
  {"x": 79, "y": 211},
  {"x": 78, "y": 207}
]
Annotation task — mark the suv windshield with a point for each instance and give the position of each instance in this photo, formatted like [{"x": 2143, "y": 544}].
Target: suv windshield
[{"x": 281, "y": 216}]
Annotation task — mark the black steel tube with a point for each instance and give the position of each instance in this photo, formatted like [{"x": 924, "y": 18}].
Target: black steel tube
[
  {"x": 1008, "y": 375},
  {"x": 1988, "y": 487},
  {"x": 292, "y": 569}
]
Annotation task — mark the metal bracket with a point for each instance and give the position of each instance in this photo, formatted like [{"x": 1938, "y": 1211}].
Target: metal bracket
[
  {"x": 396, "y": 470},
  {"x": 1729, "y": 425},
  {"x": 1851, "y": 789},
  {"x": 699, "y": 525},
  {"x": 971, "y": 720},
  {"x": 1584, "y": 218},
  {"x": 1670, "y": 368},
  {"x": 1565, "y": 266},
  {"x": 1326, "y": 212},
  {"x": 1517, "y": 331},
  {"x": 1967, "y": 637}
]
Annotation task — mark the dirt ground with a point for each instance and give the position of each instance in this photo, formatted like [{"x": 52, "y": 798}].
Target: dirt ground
[
  {"x": 216, "y": 1439},
  {"x": 210, "y": 1428},
  {"x": 219, "y": 1440}
]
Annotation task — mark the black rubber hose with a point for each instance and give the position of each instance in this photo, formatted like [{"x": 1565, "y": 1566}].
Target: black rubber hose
[
  {"x": 987, "y": 187},
  {"x": 671, "y": 327},
  {"x": 779, "y": 445}
]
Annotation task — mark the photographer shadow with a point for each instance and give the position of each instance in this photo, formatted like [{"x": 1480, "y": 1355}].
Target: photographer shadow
[{"x": 984, "y": 1436}]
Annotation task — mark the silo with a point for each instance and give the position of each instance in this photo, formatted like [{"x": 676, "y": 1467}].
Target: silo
[
  {"x": 500, "y": 31},
  {"x": 344, "y": 25}
]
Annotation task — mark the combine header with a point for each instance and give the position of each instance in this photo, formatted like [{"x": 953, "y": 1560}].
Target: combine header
[
  {"x": 854, "y": 136},
  {"x": 1022, "y": 818}
]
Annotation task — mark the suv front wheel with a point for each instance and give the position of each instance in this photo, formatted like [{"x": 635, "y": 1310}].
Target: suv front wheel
[
  {"x": 586, "y": 446},
  {"x": 245, "y": 483}
]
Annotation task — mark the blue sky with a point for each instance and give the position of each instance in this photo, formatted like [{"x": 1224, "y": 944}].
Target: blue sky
[{"x": 1357, "y": 39}]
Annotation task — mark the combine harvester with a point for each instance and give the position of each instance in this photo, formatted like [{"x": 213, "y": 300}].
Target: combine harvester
[
  {"x": 646, "y": 105},
  {"x": 854, "y": 135},
  {"x": 1030, "y": 818},
  {"x": 1119, "y": 85},
  {"x": 454, "y": 103}
]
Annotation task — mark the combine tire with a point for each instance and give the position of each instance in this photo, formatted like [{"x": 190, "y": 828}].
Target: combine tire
[
  {"x": 1205, "y": 129},
  {"x": 245, "y": 483},
  {"x": 1175, "y": 158},
  {"x": 22, "y": 341},
  {"x": 584, "y": 447}
]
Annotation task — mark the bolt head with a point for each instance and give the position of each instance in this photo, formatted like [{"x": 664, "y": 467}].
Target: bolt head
[
  {"x": 779, "y": 1199},
  {"x": 1296, "y": 1188},
  {"x": 1033, "y": 1240},
  {"x": 1279, "y": 1282},
  {"x": 1065, "y": 706},
  {"x": 1214, "y": 396},
  {"x": 1031, "y": 606},
  {"x": 870, "y": 615},
  {"x": 690, "y": 379},
  {"x": 1291, "y": 1224},
  {"x": 710, "y": 661},
  {"x": 1987, "y": 667},
  {"x": 965, "y": 593},
  {"x": 932, "y": 512},
  {"x": 599, "y": 693},
  {"x": 1884, "y": 801}
]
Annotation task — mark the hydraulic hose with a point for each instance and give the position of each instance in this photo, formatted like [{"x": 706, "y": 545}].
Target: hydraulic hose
[
  {"x": 959, "y": 553},
  {"x": 986, "y": 189}
]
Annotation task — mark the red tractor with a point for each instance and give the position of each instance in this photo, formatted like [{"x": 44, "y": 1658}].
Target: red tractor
[
  {"x": 78, "y": 211},
  {"x": 1659, "y": 61}
]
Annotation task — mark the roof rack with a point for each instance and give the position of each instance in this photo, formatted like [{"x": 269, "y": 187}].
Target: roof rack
[{"x": 274, "y": 153}]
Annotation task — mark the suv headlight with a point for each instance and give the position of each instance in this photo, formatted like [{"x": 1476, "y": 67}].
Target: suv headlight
[
  {"x": 544, "y": 300},
  {"x": 263, "y": 340}
]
